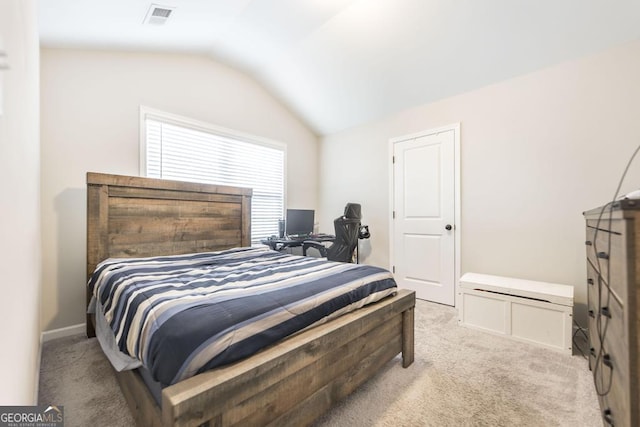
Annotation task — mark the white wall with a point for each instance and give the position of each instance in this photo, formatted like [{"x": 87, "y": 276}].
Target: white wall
[
  {"x": 90, "y": 118},
  {"x": 20, "y": 210},
  {"x": 536, "y": 151}
]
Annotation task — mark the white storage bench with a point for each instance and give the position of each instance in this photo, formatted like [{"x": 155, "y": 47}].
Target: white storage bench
[{"x": 536, "y": 312}]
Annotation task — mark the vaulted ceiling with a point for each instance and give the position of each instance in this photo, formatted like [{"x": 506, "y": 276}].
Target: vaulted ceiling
[{"x": 341, "y": 63}]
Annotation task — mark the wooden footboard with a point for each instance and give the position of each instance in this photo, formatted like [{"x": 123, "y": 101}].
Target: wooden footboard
[{"x": 291, "y": 383}]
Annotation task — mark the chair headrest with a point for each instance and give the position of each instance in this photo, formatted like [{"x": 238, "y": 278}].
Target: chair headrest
[{"x": 353, "y": 210}]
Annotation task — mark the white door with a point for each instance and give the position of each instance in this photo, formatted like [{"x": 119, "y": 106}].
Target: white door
[{"x": 424, "y": 214}]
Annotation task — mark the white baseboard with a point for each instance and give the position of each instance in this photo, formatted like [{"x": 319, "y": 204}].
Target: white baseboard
[{"x": 63, "y": 332}]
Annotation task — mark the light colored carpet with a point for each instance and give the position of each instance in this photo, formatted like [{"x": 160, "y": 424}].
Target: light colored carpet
[{"x": 460, "y": 377}]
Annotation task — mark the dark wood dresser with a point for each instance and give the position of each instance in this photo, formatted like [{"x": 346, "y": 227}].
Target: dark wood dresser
[{"x": 613, "y": 269}]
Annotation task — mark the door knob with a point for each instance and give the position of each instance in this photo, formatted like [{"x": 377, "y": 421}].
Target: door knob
[{"x": 448, "y": 227}]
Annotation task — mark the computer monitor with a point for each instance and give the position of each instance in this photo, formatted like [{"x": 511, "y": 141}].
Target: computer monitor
[{"x": 299, "y": 222}]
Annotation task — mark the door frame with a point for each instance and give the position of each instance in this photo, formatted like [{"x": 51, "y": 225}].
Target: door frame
[{"x": 455, "y": 127}]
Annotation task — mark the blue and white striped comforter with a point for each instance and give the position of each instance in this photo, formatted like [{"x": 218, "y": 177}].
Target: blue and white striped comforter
[{"x": 181, "y": 315}]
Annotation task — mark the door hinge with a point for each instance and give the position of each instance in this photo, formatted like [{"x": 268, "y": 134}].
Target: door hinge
[
  {"x": 393, "y": 269},
  {"x": 394, "y": 215},
  {"x": 393, "y": 159}
]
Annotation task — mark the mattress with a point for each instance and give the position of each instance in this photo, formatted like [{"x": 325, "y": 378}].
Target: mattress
[{"x": 180, "y": 315}]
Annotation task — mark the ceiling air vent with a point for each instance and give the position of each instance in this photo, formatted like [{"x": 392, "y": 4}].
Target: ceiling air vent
[{"x": 158, "y": 15}]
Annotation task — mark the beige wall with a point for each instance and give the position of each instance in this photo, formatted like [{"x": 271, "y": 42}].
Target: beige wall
[
  {"x": 20, "y": 211},
  {"x": 90, "y": 117},
  {"x": 536, "y": 151}
]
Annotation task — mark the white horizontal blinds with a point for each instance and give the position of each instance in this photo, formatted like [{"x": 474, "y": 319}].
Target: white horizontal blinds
[
  {"x": 153, "y": 147},
  {"x": 177, "y": 152}
]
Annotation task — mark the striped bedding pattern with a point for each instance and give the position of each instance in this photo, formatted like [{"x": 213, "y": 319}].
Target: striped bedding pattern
[{"x": 181, "y": 315}]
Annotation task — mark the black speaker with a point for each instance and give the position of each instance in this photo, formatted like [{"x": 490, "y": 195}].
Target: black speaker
[{"x": 281, "y": 228}]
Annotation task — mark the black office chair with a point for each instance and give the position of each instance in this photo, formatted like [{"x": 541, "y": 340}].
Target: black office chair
[{"x": 347, "y": 229}]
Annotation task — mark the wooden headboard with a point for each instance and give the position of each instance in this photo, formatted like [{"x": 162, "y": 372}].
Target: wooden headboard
[{"x": 137, "y": 217}]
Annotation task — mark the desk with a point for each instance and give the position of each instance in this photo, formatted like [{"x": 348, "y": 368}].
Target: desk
[{"x": 278, "y": 243}]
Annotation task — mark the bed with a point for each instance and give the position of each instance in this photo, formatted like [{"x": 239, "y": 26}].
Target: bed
[{"x": 288, "y": 383}]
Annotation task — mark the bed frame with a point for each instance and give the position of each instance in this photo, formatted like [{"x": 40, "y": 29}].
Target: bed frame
[{"x": 291, "y": 383}]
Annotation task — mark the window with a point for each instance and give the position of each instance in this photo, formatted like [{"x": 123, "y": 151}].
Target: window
[{"x": 173, "y": 147}]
